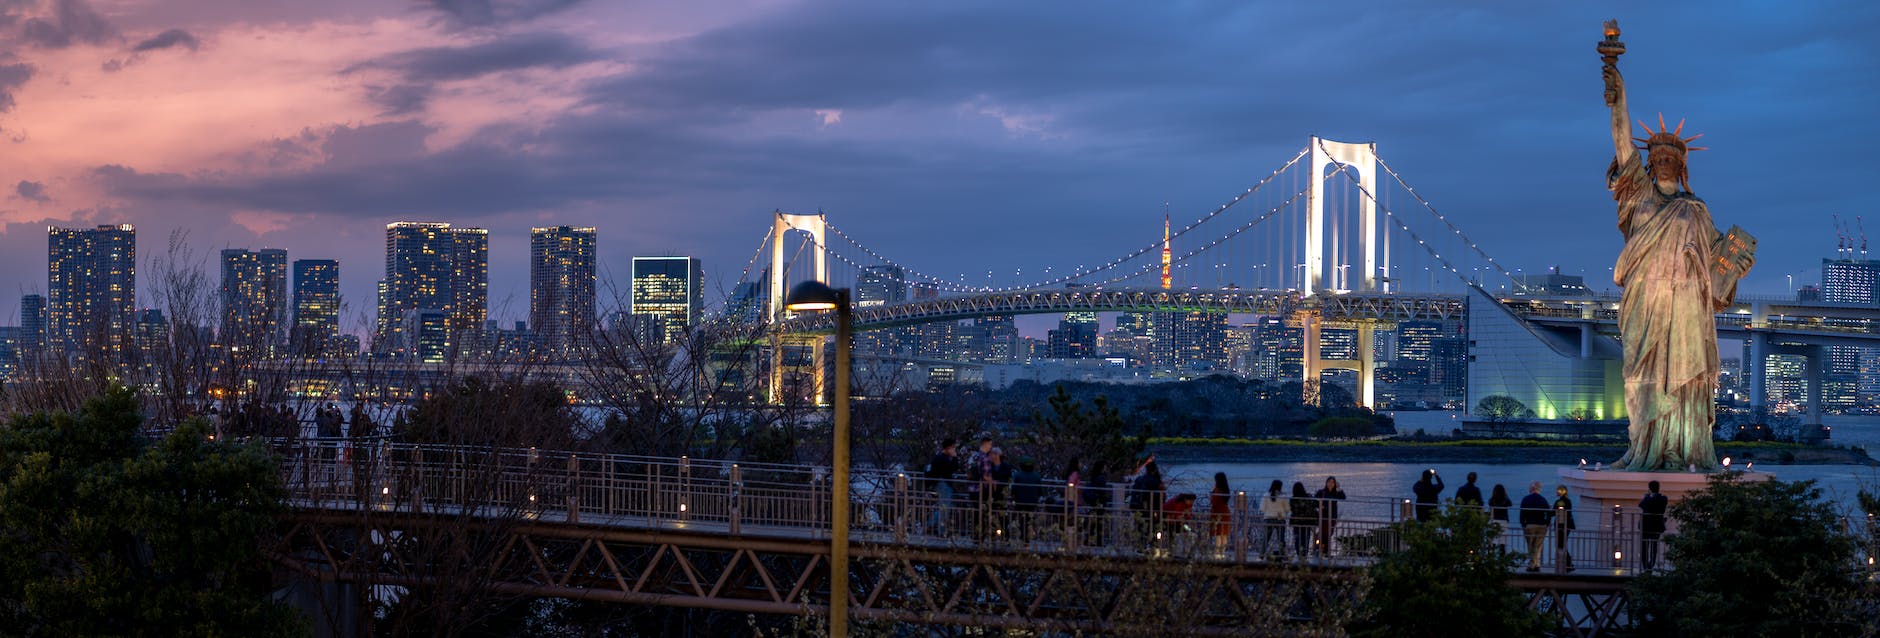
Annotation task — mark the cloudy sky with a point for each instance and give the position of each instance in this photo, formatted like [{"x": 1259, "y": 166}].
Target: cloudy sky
[{"x": 1005, "y": 135}]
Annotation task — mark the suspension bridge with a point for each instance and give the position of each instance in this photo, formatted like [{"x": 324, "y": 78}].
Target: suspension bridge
[{"x": 1332, "y": 239}]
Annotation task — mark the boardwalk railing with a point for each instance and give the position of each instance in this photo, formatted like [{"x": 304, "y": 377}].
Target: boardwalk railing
[{"x": 889, "y": 507}]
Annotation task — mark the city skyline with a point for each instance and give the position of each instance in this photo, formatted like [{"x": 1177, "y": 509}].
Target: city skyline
[{"x": 680, "y": 133}]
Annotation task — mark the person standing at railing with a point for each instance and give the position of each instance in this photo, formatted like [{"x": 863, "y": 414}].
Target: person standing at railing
[
  {"x": 1273, "y": 512},
  {"x": 1073, "y": 486},
  {"x": 1498, "y": 504},
  {"x": 1563, "y": 526},
  {"x": 1328, "y": 497},
  {"x": 1429, "y": 493},
  {"x": 1469, "y": 494},
  {"x": 1146, "y": 496},
  {"x": 940, "y": 472},
  {"x": 1176, "y": 512},
  {"x": 994, "y": 495},
  {"x": 1535, "y": 514},
  {"x": 1651, "y": 524},
  {"x": 978, "y": 463},
  {"x": 1027, "y": 493},
  {"x": 1220, "y": 512},
  {"x": 1304, "y": 521},
  {"x": 1095, "y": 495}
]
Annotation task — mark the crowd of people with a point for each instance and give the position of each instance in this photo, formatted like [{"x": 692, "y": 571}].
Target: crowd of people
[{"x": 987, "y": 495}]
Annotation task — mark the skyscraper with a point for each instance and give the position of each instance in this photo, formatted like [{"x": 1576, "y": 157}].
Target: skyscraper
[
  {"x": 671, "y": 289},
  {"x": 431, "y": 266},
  {"x": 747, "y": 301},
  {"x": 1850, "y": 281},
  {"x": 92, "y": 291},
  {"x": 880, "y": 286},
  {"x": 32, "y": 323},
  {"x": 254, "y": 299},
  {"x": 561, "y": 286},
  {"x": 316, "y": 306}
]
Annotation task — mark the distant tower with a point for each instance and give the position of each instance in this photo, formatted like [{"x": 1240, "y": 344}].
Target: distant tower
[
  {"x": 316, "y": 306},
  {"x": 32, "y": 322},
  {"x": 254, "y": 299},
  {"x": 432, "y": 266},
  {"x": 92, "y": 288},
  {"x": 670, "y": 288},
  {"x": 1165, "y": 249},
  {"x": 561, "y": 286}
]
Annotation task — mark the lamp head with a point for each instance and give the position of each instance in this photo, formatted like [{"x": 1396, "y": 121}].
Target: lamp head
[{"x": 812, "y": 295}]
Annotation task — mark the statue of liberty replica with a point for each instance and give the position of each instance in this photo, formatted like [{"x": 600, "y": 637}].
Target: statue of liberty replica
[{"x": 1677, "y": 271}]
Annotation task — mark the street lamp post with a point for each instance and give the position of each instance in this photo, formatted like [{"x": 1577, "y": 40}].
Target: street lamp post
[{"x": 816, "y": 295}]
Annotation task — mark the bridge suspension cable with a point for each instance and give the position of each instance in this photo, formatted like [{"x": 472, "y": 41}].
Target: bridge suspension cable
[
  {"x": 1444, "y": 262},
  {"x": 1445, "y": 220},
  {"x": 1082, "y": 272}
]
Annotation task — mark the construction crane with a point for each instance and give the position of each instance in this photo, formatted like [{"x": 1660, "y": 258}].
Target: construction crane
[{"x": 1863, "y": 237}]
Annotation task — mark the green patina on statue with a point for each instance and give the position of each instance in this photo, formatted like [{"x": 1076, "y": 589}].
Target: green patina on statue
[{"x": 1677, "y": 272}]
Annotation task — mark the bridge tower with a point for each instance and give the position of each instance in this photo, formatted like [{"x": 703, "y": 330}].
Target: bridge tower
[
  {"x": 1320, "y": 274},
  {"x": 782, "y": 366}
]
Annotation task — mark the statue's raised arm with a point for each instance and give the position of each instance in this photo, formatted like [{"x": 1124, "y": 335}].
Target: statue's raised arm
[{"x": 1609, "y": 51}]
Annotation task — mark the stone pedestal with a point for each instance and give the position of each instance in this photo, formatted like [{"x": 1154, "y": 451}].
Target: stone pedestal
[{"x": 1599, "y": 490}]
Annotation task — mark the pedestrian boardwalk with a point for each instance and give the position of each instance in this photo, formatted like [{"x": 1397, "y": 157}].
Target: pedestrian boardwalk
[{"x": 754, "y": 537}]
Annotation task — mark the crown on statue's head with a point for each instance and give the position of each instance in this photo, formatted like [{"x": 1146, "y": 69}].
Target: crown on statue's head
[{"x": 1667, "y": 136}]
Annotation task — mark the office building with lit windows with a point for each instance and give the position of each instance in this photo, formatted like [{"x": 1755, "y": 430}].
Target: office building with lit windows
[
  {"x": 92, "y": 289},
  {"x": 254, "y": 300},
  {"x": 561, "y": 287},
  {"x": 1849, "y": 281},
  {"x": 670, "y": 290},
  {"x": 316, "y": 306},
  {"x": 32, "y": 323},
  {"x": 432, "y": 266}
]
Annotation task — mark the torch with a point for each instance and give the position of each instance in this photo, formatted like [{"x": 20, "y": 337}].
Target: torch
[
  {"x": 1611, "y": 48},
  {"x": 1609, "y": 51}
]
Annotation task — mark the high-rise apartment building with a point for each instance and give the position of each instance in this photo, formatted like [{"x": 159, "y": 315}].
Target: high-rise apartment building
[
  {"x": 1855, "y": 281},
  {"x": 995, "y": 339},
  {"x": 1075, "y": 336},
  {"x": 254, "y": 300},
  {"x": 670, "y": 289},
  {"x": 11, "y": 352},
  {"x": 316, "y": 306},
  {"x": 432, "y": 266},
  {"x": 747, "y": 301},
  {"x": 92, "y": 292},
  {"x": 561, "y": 287},
  {"x": 1849, "y": 281},
  {"x": 32, "y": 323},
  {"x": 880, "y": 286}
]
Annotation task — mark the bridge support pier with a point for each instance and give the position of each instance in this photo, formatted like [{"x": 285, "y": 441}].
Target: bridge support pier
[
  {"x": 1312, "y": 325},
  {"x": 1757, "y": 368}
]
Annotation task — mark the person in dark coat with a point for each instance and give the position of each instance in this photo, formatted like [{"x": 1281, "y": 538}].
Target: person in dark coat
[
  {"x": 1535, "y": 515},
  {"x": 1305, "y": 519},
  {"x": 1469, "y": 494},
  {"x": 1651, "y": 524},
  {"x": 1095, "y": 495},
  {"x": 1563, "y": 526},
  {"x": 1328, "y": 498},
  {"x": 1429, "y": 491},
  {"x": 1146, "y": 495},
  {"x": 941, "y": 471}
]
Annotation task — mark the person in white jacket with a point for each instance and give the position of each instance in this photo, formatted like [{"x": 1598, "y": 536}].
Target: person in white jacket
[{"x": 1273, "y": 512}]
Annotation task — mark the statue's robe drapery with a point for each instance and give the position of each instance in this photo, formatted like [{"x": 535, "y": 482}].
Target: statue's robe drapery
[{"x": 1666, "y": 320}]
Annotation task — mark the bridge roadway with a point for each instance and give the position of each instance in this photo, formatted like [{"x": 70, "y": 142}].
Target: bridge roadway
[
  {"x": 1838, "y": 323},
  {"x": 755, "y": 538}
]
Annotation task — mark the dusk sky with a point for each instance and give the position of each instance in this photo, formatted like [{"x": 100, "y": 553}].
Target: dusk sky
[{"x": 954, "y": 136}]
